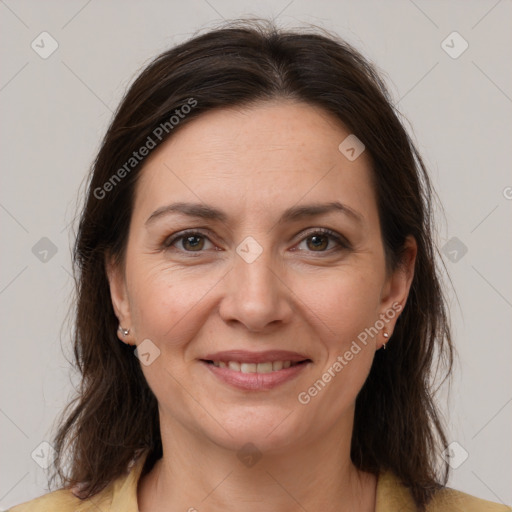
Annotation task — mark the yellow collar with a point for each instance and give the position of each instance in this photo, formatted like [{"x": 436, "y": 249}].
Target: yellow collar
[{"x": 391, "y": 495}]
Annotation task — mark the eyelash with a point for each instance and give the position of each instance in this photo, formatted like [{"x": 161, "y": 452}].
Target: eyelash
[{"x": 343, "y": 244}]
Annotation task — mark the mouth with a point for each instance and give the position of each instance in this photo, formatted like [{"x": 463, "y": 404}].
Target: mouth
[
  {"x": 256, "y": 371},
  {"x": 261, "y": 368}
]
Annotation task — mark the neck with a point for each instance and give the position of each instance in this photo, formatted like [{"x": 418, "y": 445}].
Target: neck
[{"x": 195, "y": 474}]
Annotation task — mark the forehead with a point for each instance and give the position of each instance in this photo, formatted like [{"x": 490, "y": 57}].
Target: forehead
[{"x": 273, "y": 153}]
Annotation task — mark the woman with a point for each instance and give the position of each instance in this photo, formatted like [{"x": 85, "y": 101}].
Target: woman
[{"x": 259, "y": 305}]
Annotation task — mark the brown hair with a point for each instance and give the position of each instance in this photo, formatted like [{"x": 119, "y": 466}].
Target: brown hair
[{"x": 397, "y": 425}]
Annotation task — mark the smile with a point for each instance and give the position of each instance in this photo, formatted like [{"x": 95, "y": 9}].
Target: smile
[
  {"x": 253, "y": 371},
  {"x": 266, "y": 367}
]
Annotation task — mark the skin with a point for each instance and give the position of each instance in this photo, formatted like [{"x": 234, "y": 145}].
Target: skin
[{"x": 191, "y": 300}]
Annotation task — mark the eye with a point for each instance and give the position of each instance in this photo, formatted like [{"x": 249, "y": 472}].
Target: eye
[
  {"x": 320, "y": 238},
  {"x": 191, "y": 241},
  {"x": 194, "y": 241}
]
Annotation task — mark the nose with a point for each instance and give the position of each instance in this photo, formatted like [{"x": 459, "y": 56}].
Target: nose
[{"x": 257, "y": 294}]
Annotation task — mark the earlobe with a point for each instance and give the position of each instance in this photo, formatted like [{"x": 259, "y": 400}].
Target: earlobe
[
  {"x": 397, "y": 288},
  {"x": 120, "y": 302}
]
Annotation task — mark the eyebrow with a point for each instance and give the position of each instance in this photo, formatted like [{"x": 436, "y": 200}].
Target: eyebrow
[{"x": 292, "y": 214}]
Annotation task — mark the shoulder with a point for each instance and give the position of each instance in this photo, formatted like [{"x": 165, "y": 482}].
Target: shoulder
[
  {"x": 119, "y": 495},
  {"x": 392, "y": 495},
  {"x": 64, "y": 500},
  {"x": 454, "y": 501}
]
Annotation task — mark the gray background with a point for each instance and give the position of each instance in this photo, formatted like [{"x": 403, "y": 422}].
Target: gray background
[{"x": 54, "y": 112}]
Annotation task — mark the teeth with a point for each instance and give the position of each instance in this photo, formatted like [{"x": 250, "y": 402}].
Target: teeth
[
  {"x": 264, "y": 367},
  {"x": 267, "y": 367},
  {"x": 277, "y": 365},
  {"x": 248, "y": 367}
]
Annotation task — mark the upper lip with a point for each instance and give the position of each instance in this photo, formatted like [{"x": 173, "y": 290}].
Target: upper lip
[{"x": 243, "y": 356}]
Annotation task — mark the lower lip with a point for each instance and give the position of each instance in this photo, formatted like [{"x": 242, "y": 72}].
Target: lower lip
[{"x": 256, "y": 381}]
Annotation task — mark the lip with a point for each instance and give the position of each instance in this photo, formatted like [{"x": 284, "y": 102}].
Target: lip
[
  {"x": 256, "y": 381},
  {"x": 244, "y": 356}
]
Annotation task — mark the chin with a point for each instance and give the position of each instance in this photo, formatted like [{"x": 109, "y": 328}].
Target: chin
[{"x": 267, "y": 428}]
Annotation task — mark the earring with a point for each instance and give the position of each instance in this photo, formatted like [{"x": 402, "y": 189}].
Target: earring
[
  {"x": 125, "y": 332},
  {"x": 386, "y": 335}
]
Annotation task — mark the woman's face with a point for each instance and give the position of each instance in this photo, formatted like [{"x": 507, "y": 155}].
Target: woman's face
[{"x": 257, "y": 327}]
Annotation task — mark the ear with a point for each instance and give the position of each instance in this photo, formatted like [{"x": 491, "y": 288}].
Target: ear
[
  {"x": 119, "y": 297},
  {"x": 396, "y": 289}
]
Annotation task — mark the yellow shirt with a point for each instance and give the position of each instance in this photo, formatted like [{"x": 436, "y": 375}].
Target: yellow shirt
[{"x": 121, "y": 496}]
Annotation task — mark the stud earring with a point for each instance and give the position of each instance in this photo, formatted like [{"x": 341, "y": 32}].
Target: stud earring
[
  {"x": 386, "y": 335},
  {"x": 124, "y": 332}
]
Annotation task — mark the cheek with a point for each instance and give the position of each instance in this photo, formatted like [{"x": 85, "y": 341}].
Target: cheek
[
  {"x": 346, "y": 302},
  {"x": 346, "y": 306},
  {"x": 163, "y": 302}
]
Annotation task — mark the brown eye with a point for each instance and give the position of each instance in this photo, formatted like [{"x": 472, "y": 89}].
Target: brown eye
[
  {"x": 318, "y": 242},
  {"x": 195, "y": 242},
  {"x": 319, "y": 239},
  {"x": 191, "y": 241}
]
